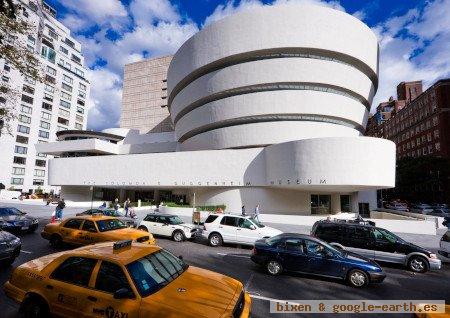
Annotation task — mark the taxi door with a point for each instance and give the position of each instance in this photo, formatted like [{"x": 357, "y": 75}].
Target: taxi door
[
  {"x": 105, "y": 300},
  {"x": 68, "y": 287},
  {"x": 70, "y": 230},
  {"x": 88, "y": 233}
]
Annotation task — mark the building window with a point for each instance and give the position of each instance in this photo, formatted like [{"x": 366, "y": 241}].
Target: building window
[
  {"x": 64, "y": 50},
  {"x": 80, "y": 110},
  {"x": 42, "y": 155},
  {"x": 78, "y": 126},
  {"x": 24, "y": 119},
  {"x": 48, "y": 97},
  {"x": 22, "y": 139},
  {"x": 66, "y": 96},
  {"x": 50, "y": 79},
  {"x": 27, "y": 99},
  {"x": 20, "y": 150},
  {"x": 61, "y": 128},
  {"x": 81, "y": 94},
  {"x": 49, "y": 88},
  {"x": 51, "y": 70},
  {"x": 40, "y": 163},
  {"x": 82, "y": 86},
  {"x": 436, "y": 133},
  {"x": 18, "y": 171},
  {"x": 320, "y": 204},
  {"x": 20, "y": 160},
  {"x": 63, "y": 121},
  {"x": 67, "y": 79},
  {"x": 64, "y": 112},
  {"x": 23, "y": 129},
  {"x": 39, "y": 173},
  {"x": 39, "y": 182},
  {"x": 76, "y": 59},
  {"x": 69, "y": 43},
  {"x": 80, "y": 102},
  {"x": 46, "y": 106},
  {"x": 16, "y": 181},
  {"x": 28, "y": 89},
  {"x": 48, "y": 53},
  {"x": 44, "y": 125},
  {"x": 44, "y": 134},
  {"x": 65, "y": 104},
  {"x": 67, "y": 87},
  {"x": 45, "y": 115},
  {"x": 26, "y": 109},
  {"x": 30, "y": 80},
  {"x": 79, "y": 118},
  {"x": 79, "y": 72}
]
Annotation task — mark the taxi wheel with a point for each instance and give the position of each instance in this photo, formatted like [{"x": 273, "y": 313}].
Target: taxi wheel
[
  {"x": 178, "y": 236},
  {"x": 357, "y": 278},
  {"x": 34, "y": 307},
  {"x": 143, "y": 228},
  {"x": 215, "y": 239},
  {"x": 55, "y": 240}
]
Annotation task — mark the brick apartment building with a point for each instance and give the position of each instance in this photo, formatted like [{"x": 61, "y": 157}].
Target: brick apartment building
[{"x": 419, "y": 124}]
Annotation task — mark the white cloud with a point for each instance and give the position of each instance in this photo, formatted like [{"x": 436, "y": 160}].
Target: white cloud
[
  {"x": 414, "y": 46},
  {"x": 88, "y": 13},
  {"x": 147, "y": 12}
]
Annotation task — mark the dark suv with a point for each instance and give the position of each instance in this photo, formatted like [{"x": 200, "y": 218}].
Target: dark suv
[{"x": 375, "y": 243}]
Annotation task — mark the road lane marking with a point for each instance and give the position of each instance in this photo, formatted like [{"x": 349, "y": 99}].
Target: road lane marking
[
  {"x": 248, "y": 281},
  {"x": 256, "y": 296},
  {"x": 26, "y": 252}
]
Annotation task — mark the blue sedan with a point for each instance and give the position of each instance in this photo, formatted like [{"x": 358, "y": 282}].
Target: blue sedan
[{"x": 306, "y": 254}]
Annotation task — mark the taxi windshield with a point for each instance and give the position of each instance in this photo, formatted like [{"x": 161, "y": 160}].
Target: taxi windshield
[
  {"x": 110, "y": 224},
  {"x": 154, "y": 271}
]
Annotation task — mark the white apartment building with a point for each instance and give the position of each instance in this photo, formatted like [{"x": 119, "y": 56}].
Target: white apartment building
[{"x": 43, "y": 108}]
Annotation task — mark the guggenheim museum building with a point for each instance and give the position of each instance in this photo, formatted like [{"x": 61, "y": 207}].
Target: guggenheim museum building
[{"x": 269, "y": 107}]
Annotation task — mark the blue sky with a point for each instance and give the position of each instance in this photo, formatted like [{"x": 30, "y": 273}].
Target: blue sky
[{"x": 414, "y": 38}]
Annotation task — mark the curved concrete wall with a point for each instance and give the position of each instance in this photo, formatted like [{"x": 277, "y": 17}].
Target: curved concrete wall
[
  {"x": 272, "y": 75},
  {"x": 262, "y": 134}
]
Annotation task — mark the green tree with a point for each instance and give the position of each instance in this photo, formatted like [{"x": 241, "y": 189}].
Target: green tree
[{"x": 14, "y": 32}]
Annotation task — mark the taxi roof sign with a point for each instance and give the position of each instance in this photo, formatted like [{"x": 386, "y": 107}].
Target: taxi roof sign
[{"x": 121, "y": 244}]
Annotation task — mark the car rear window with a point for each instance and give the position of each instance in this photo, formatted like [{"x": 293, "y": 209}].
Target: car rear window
[
  {"x": 211, "y": 218},
  {"x": 229, "y": 220}
]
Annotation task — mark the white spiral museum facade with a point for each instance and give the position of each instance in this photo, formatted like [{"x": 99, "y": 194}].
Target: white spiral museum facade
[
  {"x": 274, "y": 74},
  {"x": 269, "y": 106}
]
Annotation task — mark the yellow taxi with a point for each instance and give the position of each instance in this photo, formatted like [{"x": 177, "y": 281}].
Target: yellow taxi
[
  {"x": 87, "y": 229},
  {"x": 124, "y": 280}
]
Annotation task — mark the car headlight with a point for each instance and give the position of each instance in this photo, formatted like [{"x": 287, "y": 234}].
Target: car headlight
[{"x": 434, "y": 256}]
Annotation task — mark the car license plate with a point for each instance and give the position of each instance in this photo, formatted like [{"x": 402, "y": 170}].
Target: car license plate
[{"x": 25, "y": 227}]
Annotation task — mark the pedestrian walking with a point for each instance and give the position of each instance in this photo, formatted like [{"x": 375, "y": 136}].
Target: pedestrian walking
[
  {"x": 103, "y": 206},
  {"x": 116, "y": 205},
  {"x": 59, "y": 209},
  {"x": 126, "y": 206},
  {"x": 256, "y": 214},
  {"x": 243, "y": 210}
]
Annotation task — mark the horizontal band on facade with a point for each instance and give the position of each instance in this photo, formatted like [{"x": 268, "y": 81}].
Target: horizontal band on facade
[
  {"x": 270, "y": 118},
  {"x": 332, "y": 89},
  {"x": 275, "y": 54}
]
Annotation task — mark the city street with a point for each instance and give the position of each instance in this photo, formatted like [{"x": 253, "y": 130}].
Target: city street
[{"x": 235, "y": 262}]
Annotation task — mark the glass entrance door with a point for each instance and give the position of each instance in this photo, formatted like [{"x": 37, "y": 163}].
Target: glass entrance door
[{"x": 320, "y": 203}]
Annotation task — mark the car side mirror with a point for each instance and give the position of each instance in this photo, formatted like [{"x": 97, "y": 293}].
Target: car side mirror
[
  {"x": 252, "y": 227},
  {"x": 123, "y": 293}
]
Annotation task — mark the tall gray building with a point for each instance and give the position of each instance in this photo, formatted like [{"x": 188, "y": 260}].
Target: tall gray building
[{"x": 144, "y": 99}]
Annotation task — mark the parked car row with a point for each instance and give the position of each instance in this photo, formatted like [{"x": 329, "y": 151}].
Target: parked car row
[{"x": 441, "y": 210}]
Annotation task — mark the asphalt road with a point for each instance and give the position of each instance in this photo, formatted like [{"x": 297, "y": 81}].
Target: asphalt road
[{"x": 234, "y": 261}]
